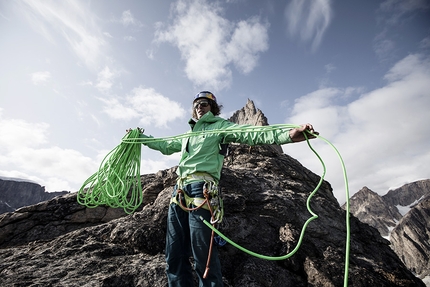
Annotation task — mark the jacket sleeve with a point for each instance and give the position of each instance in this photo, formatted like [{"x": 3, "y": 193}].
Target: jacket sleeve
[
  {"x": 255, "y": 135},
  {"x": 166, "y": 147}
]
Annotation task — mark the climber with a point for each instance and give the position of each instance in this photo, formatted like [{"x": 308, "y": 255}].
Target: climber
[{"x": 199, "y": 168}]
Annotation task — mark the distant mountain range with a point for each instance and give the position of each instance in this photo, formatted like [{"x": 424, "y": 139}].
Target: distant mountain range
[
  {"x": 16, "y": 193},
  {"x": 402, "y": 216}
]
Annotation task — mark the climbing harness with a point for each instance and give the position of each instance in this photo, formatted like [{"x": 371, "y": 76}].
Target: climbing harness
[
  {"x": 117, "y": 183},
  {"x": 212, "y": 202}
]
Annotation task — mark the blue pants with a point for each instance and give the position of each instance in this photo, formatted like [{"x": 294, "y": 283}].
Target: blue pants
[{"x": 188, "y": 236}]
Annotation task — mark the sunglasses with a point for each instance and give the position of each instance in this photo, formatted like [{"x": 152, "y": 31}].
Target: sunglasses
[{"x": 202, "y": 104}]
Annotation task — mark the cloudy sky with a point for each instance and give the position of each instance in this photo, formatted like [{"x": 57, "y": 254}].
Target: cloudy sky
[{"x": 75, "y": 74}]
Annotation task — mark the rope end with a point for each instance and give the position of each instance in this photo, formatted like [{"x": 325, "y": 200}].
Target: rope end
[{"x": 206, "y": 273}]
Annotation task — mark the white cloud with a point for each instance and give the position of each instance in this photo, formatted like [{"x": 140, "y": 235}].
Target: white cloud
[
  {"x": 105, "y": 79},
  {"x": 248, "y": 39},
  {"x": 129, "y": 38},
  {"x": 127, "y": 19},
  {"x": 71, "y": 20},
  {"x": 397, "y": 8},
  {"x": 150, "y": 166},
  {"x": 320, "y": 107},
  {"x": 383, "y": 46},
  {"x": 329, "y": 68},
  {"x": 209, "y": 43},
  {"x": 25, "y": 153},
  {"x": 16, "y": 133},
  {"x": 40, "y": 78},
  {"x": 425, "y": 43},
  {"x": 117, "y": 110},
  {"x": 149, "y": 106},
  {"x": 309, "y": 18},
  {"x": 383, "y": 136},
  {"x": 86, "y": 83},
  {"x": 52, "y": 161},
  {"x": 391, "y": 15}
]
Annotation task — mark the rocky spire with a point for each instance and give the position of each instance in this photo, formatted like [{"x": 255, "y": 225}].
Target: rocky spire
[{"x": 250, "y": 115}]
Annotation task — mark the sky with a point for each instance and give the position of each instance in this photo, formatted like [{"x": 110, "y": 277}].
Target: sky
[{"x": 74, "y": 75}]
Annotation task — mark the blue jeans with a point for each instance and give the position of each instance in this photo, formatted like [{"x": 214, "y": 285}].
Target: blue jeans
[{"x": 188, "y": 236}]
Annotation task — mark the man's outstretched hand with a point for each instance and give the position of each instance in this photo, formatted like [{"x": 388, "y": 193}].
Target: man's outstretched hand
[
  {"x": 141, "y": 130},
  {"x": 297, "y": 135}
]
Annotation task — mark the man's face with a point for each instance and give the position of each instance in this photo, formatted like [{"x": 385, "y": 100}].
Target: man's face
[{"x": 201, "y": 106}]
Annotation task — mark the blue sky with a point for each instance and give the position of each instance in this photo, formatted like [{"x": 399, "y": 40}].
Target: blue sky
[{"x": 75, "y": 74}]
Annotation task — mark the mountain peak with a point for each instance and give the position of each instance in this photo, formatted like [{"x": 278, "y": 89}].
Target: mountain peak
[
  {"x": 249, "y": 115},
  {"x": 402, "y": 215}
]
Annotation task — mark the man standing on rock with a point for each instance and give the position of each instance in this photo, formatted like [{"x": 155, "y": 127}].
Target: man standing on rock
[{"x": 199, "y": 171}]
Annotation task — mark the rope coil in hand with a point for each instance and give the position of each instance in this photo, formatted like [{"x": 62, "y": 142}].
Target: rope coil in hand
[{"x": 117, "y": 182}]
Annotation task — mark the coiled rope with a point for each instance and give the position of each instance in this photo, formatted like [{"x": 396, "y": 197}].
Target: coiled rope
[{"x": 117, "y": 182}]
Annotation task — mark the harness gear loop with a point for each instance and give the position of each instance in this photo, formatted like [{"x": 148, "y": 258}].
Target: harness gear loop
[{"x": 213, "y": 197}]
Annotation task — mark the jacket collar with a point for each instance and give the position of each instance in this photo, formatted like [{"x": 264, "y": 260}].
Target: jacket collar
[{"x": 206, "y": 118}]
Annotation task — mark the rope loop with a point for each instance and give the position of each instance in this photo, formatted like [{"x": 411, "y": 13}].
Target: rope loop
[{"x": 117, "y": 183}]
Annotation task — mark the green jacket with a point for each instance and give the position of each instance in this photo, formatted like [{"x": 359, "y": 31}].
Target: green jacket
[{"x": 201, "y": 153}]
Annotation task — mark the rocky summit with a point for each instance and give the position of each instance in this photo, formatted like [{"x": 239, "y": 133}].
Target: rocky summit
[
  {"x": 402, "y": 216},
  {"x": 410, "y": 238},
  {"x": 60, "y": 243}
]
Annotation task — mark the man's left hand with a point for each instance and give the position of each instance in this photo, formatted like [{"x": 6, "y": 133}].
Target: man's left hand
[{"x": 297, "y": 134}]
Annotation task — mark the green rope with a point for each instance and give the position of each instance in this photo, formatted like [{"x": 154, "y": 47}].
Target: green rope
[
  {"x": 314, "y": 216},
  {"x": 233, "y": 129},
  {"x": 117, "y": 182},
  {"x": 347, "y": 211}
]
